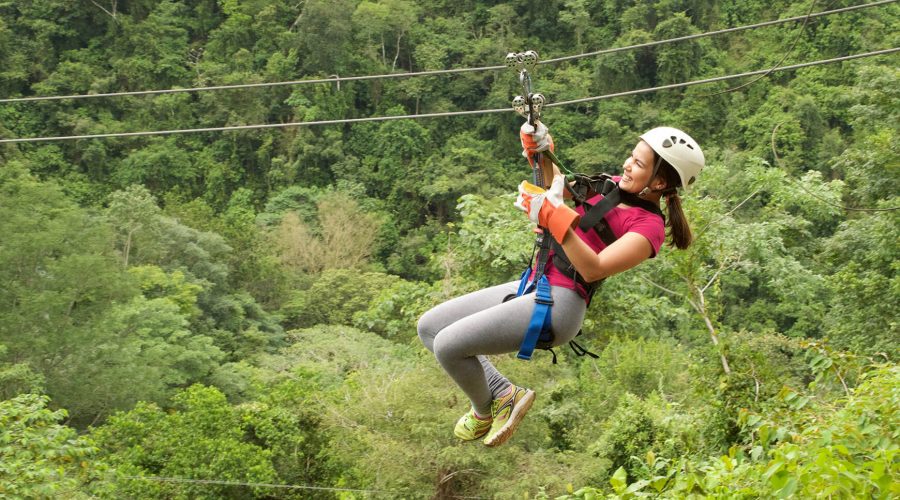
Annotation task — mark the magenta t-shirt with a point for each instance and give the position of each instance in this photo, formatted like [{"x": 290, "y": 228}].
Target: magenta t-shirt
[{"x": 620, "y": 220}]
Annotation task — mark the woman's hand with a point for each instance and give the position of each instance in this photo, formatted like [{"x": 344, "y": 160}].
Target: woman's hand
[
  {"x": 546, "y": 208},
  {"x": 535, "y": 138}
]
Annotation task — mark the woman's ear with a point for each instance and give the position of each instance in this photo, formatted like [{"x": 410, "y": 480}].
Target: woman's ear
[{"x": 659, "y": 183}]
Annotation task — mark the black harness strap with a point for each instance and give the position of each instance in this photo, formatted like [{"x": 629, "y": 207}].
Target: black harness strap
[
  {"x": 594, "y": 214},
  {"x": 595, "y": 218}
]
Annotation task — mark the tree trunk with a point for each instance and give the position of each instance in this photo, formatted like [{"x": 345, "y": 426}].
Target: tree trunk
[
  {"x": 712, "y": 330},
  {"x": 397, "y": 54}
]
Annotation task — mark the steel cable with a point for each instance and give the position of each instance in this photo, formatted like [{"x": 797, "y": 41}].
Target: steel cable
[
  {"x": 446, "y": 114},
  {"x": 338, "y": 79}
]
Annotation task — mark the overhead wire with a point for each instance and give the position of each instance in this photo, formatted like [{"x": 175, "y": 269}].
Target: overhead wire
[
  {"x": 816, "y": 196},
  {"x": 219, "y": 482},
  {"x": 338, "y": 79},
  {"x": 787, "y": 54},
  {"x": 444, "y": 114},
  {"x": 719, "y": 32},
  {"x": 722, "y": 78}
]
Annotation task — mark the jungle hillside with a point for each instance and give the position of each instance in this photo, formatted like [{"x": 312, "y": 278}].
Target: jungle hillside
[{"x": 232, "y": 313}]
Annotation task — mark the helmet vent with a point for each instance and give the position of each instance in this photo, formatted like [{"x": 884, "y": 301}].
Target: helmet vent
[
  {"x": 688, "y": 145},
  {"x": 693, "y": 178},
  {"x": 667, "y": 143}
]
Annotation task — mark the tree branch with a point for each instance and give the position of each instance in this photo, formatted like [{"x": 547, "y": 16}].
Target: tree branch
[
  {"x": 733, "y": 210},
  {"x": 462, "y": 471},
  {"x": 724, "y": 267},
  {"x": 110, "y": 14},
  {"x": 299, "y": 17},
  {"x": 700, "y": 307},
  {"x": 657, "y": 285},
  {"x": 712, "y": 329},
  {"x": 397, "y": 54},
  {"x": 755, "y": 382}
]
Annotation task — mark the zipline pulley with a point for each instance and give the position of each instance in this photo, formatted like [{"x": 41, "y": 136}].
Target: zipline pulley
[{"x": 529, "y": 105}]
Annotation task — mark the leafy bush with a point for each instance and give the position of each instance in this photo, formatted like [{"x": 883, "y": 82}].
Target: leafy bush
[
  {"x": 202, "y": 437},
  {"x": 642, "y": 366},
  {"x": 17, "y": 378},
  {"x": 39, "y": 458},
  {"x": 394, "y": 311},
  {"x": 634, "y": 430},
  {"x": 335, "y": 296},
  {"x": 847, "y": 450},
  {"x": 494, "y": 240}
]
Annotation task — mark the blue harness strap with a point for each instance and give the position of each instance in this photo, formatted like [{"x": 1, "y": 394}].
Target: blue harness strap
[
  {"x": 539, "y": 326},
  {"x": 524, "y": 285},
  {"x": 540, "y": 317}
]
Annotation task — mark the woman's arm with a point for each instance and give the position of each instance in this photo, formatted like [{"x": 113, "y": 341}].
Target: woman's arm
[{"x": 626, "y": 252}]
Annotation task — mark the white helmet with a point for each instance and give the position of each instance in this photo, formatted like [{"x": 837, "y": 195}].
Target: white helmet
[{"x": 680, "y": 150}]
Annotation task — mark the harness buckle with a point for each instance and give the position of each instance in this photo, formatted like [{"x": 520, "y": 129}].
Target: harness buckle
[{"x": 540, "y": 300}]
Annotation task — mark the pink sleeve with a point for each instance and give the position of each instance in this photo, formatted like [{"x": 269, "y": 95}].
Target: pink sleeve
[{"x": 651, "y": 227}]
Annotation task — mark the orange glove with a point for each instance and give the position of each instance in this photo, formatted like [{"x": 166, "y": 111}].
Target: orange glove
[
  {"x": 546, "y": 208},
  {"x": 535, "y": 138}
]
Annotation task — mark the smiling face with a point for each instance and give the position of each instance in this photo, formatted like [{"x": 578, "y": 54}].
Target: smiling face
[{"x": 638, "y": 169}]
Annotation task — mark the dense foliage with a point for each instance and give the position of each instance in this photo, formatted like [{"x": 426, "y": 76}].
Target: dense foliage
[{"x": 232, "y": 314}]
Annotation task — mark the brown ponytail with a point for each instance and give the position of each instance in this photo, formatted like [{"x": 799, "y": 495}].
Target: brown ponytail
[{"x": 679, "y": 232}]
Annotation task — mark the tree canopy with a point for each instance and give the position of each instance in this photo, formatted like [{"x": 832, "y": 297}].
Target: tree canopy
[{"x": 233, "y": 314}]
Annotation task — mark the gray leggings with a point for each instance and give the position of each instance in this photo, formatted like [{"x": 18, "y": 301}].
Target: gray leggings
[{"x": 461, "y": 331}]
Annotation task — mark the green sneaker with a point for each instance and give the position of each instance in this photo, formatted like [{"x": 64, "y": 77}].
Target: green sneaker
[
  {"x": 469, "y": 427},
  {"x": 508, "y": 411}
]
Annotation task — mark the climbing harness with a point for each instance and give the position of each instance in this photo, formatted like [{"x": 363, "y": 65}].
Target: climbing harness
[
  {"x": 539, "y": 333},
  {"x": 585, "y": 188}
]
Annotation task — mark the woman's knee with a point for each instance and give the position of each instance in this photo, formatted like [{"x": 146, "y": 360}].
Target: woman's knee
[
  {"x": 427, "y": 330},
  {"x": 444, "y": 348}
]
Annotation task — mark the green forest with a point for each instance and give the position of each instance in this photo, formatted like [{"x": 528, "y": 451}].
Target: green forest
[{"x": 232, "y": 314}]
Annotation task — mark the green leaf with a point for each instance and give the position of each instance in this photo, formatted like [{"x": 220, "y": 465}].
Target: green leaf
[
  {"x": 788, "y": 489},
  {"x": 637, "y": 486},
  {"x": 619, "y": 480},
  {"x": 764, "y": 436},
  {"x": 773, "y": 468},
  {"x": 659, "y": 482}
]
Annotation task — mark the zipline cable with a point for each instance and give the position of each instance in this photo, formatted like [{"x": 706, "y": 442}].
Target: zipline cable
[
  {"x": 722, "y": 78},
  {"x": 445, "y": 114},
  {"x": 787, "y": 54},
  {"x": 338, "y": 79},
  {"x": 719, "y": 32},
  {"x": 814, "y": 195},
  {"x": 218, "y": 482}
]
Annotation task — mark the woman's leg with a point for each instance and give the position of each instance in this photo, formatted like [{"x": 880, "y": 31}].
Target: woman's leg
[
  {"x": 460, "y": 331},
  {"x": 433, "y": 321}
]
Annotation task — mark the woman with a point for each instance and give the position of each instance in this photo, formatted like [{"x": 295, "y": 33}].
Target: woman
[{"x": 462, "y": 331}]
